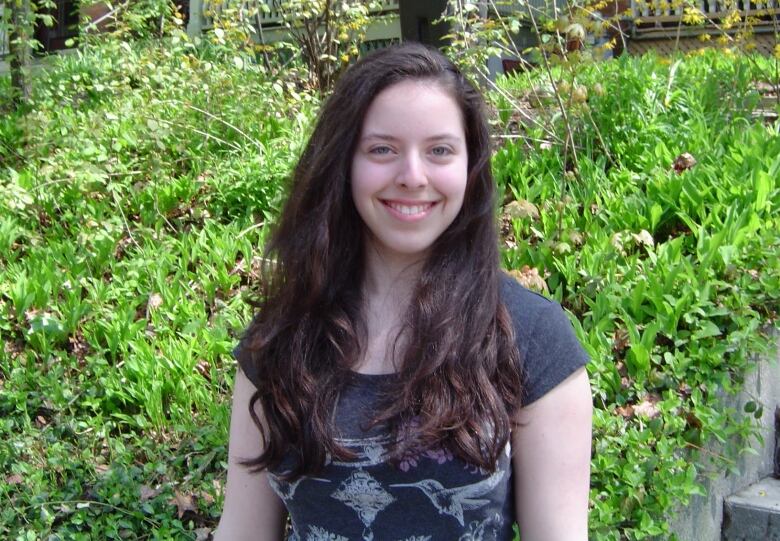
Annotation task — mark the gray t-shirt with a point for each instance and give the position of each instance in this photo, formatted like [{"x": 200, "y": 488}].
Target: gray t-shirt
[{"x": 430, "y": 495}]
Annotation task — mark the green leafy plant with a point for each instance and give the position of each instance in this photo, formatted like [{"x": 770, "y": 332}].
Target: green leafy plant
[
  {"x": 670, "y": 256},
  {"x": 326, "y": 34}
]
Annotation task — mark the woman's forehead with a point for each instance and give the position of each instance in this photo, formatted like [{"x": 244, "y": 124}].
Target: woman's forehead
[{"x": 420, "y": 108}]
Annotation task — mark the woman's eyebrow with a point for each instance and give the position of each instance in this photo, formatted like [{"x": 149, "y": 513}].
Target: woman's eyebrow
[
  {"x": 438, "y": 137},
  {"x": 380, "y": 136}
]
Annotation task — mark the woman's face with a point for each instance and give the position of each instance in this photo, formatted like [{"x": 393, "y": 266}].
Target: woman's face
[{"x": 410, "y": 167}]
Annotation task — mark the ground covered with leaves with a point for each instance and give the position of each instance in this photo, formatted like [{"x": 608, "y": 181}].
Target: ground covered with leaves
[{"x": 134, "y": 194}]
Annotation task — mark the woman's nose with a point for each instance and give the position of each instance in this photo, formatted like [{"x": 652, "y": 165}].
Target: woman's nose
[{"x": 412, "y": 173}]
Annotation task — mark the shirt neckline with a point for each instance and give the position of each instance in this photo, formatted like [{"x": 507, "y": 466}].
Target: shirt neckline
[{"x": 360, "y": 377}]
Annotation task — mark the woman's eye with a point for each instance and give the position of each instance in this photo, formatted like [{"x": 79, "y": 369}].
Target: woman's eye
[
  {"x": 441, "y": 151},
  {"x": 381, "y": 151}
]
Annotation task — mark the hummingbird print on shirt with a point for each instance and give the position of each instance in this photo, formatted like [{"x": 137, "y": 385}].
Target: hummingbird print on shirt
[{"x": 454, "y": 501}]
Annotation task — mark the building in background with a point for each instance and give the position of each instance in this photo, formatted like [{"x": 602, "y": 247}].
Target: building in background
[{"x": 648, "y": 24}]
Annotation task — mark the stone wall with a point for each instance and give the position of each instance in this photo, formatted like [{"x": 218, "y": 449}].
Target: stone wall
[{"x": 701, "y": 520}]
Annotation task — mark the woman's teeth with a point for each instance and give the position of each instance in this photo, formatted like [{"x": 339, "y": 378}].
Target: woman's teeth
[{"x": 410, "y": 210}]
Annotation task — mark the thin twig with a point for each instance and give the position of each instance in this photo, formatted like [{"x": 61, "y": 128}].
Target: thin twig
[
  {"x": 68, "y": 179},
  {"x": 255, "y": 142},
  {"x": 562, "y": 108},
  {"x": 250, "y": 228},
  {"x": 713, "y": 453},
  {"x": 200, "y": 132},
  {"x": 124, "y": 219},
  {"x": 136, "y": 515}
]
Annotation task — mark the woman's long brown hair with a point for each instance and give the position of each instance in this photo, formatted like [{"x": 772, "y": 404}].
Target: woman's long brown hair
[{"x": 458, "y": 381}]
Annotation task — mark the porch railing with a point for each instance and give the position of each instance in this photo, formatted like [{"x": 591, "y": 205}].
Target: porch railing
[
  {"x": 274, "y": 16},
  {"x": 657, "y": 14},
  {"x": 537, "y": 7}
]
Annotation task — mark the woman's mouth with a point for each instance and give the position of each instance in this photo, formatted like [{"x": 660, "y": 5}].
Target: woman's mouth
[{"x": 409, "y": 211}]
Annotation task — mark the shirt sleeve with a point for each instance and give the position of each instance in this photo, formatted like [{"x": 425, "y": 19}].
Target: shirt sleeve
[
  {"x": 549, "y": 349},
  {"x": 553, "y": 353},
  {"x": 245, "y": 363}
]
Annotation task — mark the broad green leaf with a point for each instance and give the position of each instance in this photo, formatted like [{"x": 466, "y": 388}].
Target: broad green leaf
[
  {"x": 762, "y": 186},
  {"x": 708, "y": 329}
]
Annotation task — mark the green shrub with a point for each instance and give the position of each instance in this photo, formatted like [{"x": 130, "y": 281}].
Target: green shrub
[
  {"x": 672, "y": 273},
  {"x": 129, "y": 193}
]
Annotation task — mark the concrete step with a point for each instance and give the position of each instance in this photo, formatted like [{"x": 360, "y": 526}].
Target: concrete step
[{"x": 753, "y": 514}]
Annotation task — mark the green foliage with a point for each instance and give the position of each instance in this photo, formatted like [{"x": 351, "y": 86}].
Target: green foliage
[
  {"x": 139, "y": 19},
  {"x": 133, "y": 198},
  {"x": 559, "y": 53}
]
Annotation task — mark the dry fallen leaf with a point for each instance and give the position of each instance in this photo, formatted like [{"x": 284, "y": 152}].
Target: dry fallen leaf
[
  {"x": 620, "y": 340},
  {"x": 530, "y": 278},
  {"x": 684, "y": 389},
  {"x": 147, "y": 493},
  {"x": 692, "y": 420},
  {"x": 644, "y": 237},
  {"x": 183, "y": 503},
  {"x": 617, "y": 243},
  {"x": 155, "y": 301},
  {"x": 13, "y": 348},
  {"x": 204, "y": 369},
  {"x": 626, "y": 411},
  {"x": 648, "y": 407},
  {"x": 217, "y": 484},
  {"x": 207, "y": 498},
  {"x": 78, "y": 346},
  {"x": 576, "y": 238},
  {"x": 522, "y": 209},
  {"x": 14, "y": 479},
  {"x": 683, "y": 162}
]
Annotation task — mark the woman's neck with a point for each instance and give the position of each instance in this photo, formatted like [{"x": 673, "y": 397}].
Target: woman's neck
[
  {"x": 390, "y": 278},
  {"x": 388, "y": 285}
]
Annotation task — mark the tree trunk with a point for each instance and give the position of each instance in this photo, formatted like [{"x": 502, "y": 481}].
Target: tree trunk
[{"x": 20, "y": 49}]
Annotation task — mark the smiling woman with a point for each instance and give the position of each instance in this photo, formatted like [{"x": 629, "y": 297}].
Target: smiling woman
[{"x": 394, "y": 384}]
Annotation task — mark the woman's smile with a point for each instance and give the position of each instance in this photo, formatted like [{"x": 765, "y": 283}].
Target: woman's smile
[{"x": 409, "y": 212}]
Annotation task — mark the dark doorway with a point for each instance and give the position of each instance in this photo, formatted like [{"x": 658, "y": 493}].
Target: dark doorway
[
  {"x": 418, "y": 21},
  {"x": 66, "y": 19}
]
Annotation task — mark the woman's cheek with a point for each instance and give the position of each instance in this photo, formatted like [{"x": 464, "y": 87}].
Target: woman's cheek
[
  {"x": 369, "y": 176},
  {"x": 453, "y": 178}
]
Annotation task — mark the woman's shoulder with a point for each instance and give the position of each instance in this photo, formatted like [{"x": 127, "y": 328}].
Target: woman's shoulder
[
  {"x": 534, "y": 316},
  {"x": 523, "y": 304}
]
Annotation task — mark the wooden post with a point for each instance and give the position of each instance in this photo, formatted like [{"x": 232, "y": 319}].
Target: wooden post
[{"x": 195, "y": 24}]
